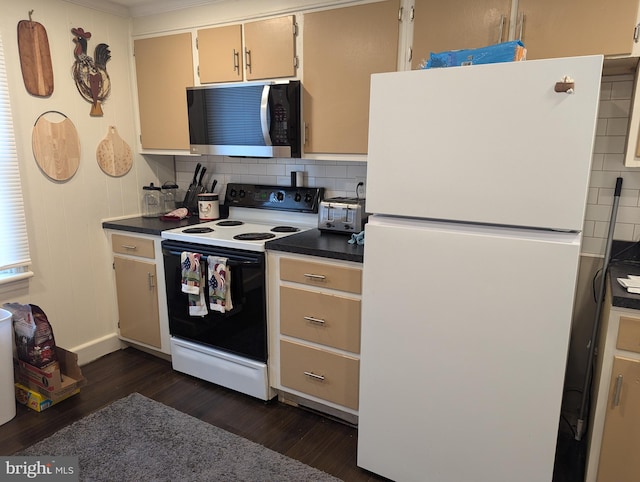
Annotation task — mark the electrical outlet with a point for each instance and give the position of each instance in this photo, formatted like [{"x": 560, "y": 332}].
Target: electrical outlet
[{"x": 361, "y": 187}]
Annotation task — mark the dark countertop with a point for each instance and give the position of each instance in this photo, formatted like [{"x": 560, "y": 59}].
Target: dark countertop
[
  {"x": 313, "y": 242},
  {"x": 317, "y": 243},
  {"x": 153, "y": 226},
  {"x": 625, "y": 260}
]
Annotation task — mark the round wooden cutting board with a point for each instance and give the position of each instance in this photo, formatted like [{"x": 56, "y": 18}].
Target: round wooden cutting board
[
  {"x": 56, "y": 147},
  {"x": 114, "y": 154}
]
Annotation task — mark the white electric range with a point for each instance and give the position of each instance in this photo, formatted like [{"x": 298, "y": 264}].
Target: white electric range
[
  {"x": 230, "y": 348},
  {"x": 245, "y": 228}
]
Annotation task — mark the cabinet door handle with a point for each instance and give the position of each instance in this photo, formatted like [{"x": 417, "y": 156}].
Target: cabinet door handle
[
  {"x": 314, "y": 376},
  {"x": 618, "y": 390},
  {"x": 129, "y": 246},
  {"x": 247, "y": 58},
  {"x": 521, "y": 28},
  {"x": 501, "y": 29},
  {"x": 316, "y": 277},
  {"x": 236, "y": 61},
  {"x": 314, "y": 320},
  {"x": 151, "y": 278}
]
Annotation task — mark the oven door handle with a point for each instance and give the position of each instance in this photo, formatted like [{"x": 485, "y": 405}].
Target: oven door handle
[{"x": 230, "y": 261}]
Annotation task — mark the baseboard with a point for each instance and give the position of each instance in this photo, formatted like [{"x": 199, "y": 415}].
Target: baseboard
[{"x": 88, "y": 352}]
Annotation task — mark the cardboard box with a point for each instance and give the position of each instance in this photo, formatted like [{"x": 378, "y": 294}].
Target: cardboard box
[
  {"x": 55, "y": 381},
  {"x": 37, "y": 401}
]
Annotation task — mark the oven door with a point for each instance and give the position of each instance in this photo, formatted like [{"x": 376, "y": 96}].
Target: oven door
[{"x": 242, "y": 330}]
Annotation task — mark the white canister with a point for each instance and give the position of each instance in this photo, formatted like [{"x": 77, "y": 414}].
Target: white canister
[{"x": 208, "y": 206}]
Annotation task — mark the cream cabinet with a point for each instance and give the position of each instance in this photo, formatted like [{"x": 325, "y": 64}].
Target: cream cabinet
[
  {"x": 551, "y": 28},
  {"x": 548, "y": 28},
  {"x": 164, "y": 69},
  {"x": 314, "y": 332},
  {"x": 614, "y": 434},
  {"x": 140, "y": 290},
  {"x": 342, "y": 47},
  {"x": 268, "y": 51},
  {"x": 458, "y": 24}
]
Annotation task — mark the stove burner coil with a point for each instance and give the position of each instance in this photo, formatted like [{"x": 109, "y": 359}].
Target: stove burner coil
[
  {"x": 200, "y": 230},
  {"x": 230, "y": 222},
  {"x": 254, "y": 236},
  {"x": 285, "y": 229}
]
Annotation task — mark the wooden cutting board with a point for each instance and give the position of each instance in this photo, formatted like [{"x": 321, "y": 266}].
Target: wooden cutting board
[
  {"x": 56, "y": 147},
  {"x": 35, "y": 58},
  {"x": 114, "y": 154}
]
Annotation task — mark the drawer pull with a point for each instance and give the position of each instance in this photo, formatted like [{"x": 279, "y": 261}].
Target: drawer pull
[
  {"x": 314, "y": 376},
  {"x": 314, "y": 320},
  {"x": 129, "y": 246},
  {"x": 616, "y": 394},
  {"x": 315, "y": 277}
]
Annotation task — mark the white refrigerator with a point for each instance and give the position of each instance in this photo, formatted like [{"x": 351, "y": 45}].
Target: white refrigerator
[{"x": 477, "y": 179}]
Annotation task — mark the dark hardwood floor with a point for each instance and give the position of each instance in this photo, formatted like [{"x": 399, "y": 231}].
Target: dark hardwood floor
[{"x": 308, "y": 437}]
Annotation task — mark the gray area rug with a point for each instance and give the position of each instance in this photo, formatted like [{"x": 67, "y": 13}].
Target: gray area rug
[{"x": 136, "y": 438}]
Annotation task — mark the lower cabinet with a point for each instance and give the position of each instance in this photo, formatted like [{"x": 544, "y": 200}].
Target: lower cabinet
[
  {"x": 137, "y": 291},
  {"x": 314, "y": 332},
  {"x": 322, "y": 373},
  {"x": 619, "y": 461},
  {"x": 140, "y": 290},
  {"x": 614, "y": 429}
]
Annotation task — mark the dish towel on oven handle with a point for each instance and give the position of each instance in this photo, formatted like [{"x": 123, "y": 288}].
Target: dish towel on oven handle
[
  {"x": 193, "y": 283},
  {"x": 219, "y": 278}
]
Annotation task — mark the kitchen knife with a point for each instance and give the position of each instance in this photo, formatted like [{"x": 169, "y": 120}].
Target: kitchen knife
[
  {"x": 200, "y": 188},
  {"x": 191, "y": 192},
  {"x": 213, "y": 185}
]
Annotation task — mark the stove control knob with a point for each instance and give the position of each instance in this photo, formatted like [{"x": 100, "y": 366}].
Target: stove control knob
[
  {"x": 280, "y": 196},
  {"x": 242, "y": 193},
  {"x": 307, "y": 198},
  {"x": 233, "y": 193},
  {"x": 297, "y": 197}
]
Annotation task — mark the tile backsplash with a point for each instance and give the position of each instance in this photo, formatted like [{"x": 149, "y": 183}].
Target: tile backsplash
[
  {"x": 341, "y": 178},
  {"x": 608, "y": 164},
  {"x": 338, "y": 178}
]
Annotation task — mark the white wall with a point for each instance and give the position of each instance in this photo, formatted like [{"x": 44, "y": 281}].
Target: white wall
[{"x": 69, "y": 249}]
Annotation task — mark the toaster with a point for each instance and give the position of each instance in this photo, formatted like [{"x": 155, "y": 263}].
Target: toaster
[{"x": 342, "y": 215}]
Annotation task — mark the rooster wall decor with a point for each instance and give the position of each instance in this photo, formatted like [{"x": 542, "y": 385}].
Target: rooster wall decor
[{"x": 90, "y": 74}]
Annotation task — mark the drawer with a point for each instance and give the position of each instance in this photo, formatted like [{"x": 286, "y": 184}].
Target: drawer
[
  {"x": 341, "y": 278},
  {"x": 133, "y": 245},
  {"x": 319, "y": 317},
  {"x": 323, "y": 374},
  {"x": 629, "y": 334}
]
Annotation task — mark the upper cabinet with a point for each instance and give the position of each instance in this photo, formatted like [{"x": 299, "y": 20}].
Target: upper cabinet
[
  {"x": 457, "y": 24},
  {"x": 567, "y": 28},
  {"x": 268, "y": 51},
  {"x": 548, "y": 28},
  {"x": 164, "y": 69},
  {"x": 219, "y": 54},
  {"x": 341, "y": 49}
]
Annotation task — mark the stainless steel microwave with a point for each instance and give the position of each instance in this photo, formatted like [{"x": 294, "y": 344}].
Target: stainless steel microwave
[{"x": 249, "y": 119}]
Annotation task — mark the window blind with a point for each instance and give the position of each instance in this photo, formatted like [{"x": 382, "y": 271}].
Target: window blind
[{"x": 14, "y": 243}]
